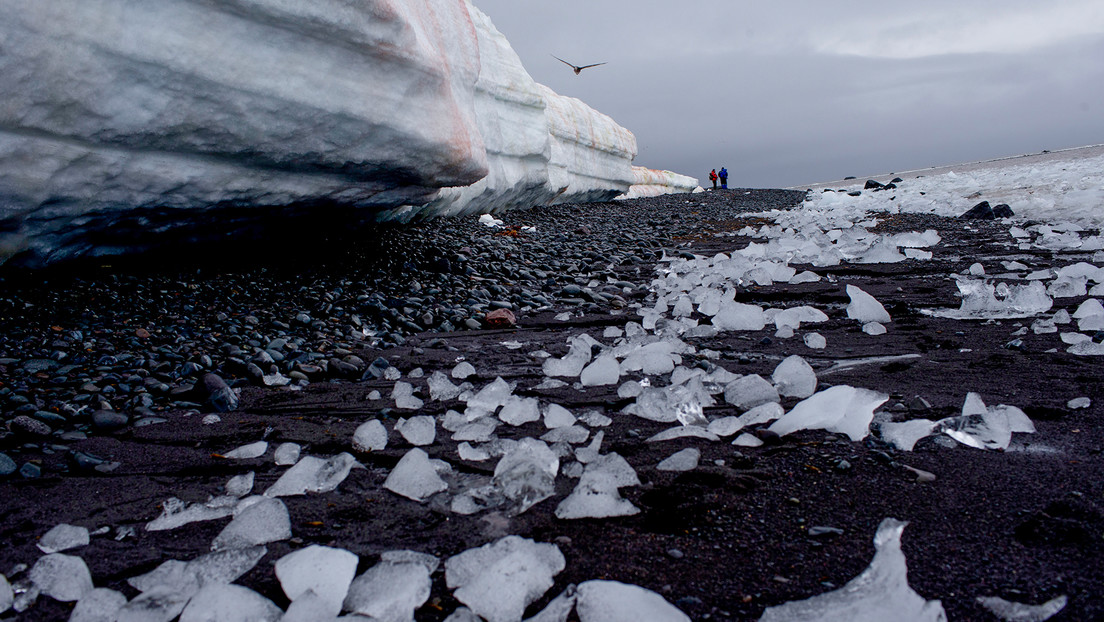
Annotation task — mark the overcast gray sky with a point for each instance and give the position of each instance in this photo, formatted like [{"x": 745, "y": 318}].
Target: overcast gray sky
[{"x": 790, "y": 92}]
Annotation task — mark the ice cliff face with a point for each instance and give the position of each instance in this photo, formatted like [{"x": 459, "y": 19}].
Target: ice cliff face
[
  {"x": 121, "y": 119},
  {"x": 651, "y": 183}
]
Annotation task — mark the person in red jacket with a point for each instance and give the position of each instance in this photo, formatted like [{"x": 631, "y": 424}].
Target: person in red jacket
[{"x": 713, "y": 178}]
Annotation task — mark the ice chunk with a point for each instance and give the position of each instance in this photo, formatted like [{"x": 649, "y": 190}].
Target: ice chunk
[
  {"x": 99, "y": 605},
  {"x": 62, "y": 538},
  {"x": 477, "y": 431},
  {"x": 463, "y": 370},
  {"x": 307, "y": 608},
  {"x": 880, "y": 593},
  {"x": 747, "y": 440},
  {"x": 499, "y": 580},
  {"x": 1090, "y": 307},
  {"x": 739, "y": 316},
  {"x": 571, "y": 365},
  {"x": 596, "y": 495},
  {"x": 815, "y": 341},
  {"x": 262, "y": 521},
  {"x": 418, "y": 431},
  {"x": 750, "y": 391},
  {"x": 403, "y": 394},
  {"x": 806, "y": 276},
  {"x": 415, "y": 477},
  {"x": 7, "y": 595},
  {"x": 764, "y": 413},
  {"x": 441, "y": 388},
  {"x": 370, "y": 436},
  {"x": 864, "y": 307},
  {"x": 725, "y": 426},
  {"x": 1087, "y": 348},
  {"x": 684, "y": 460},
  {"x": 472, "y": 454},
  {"x": 220, "y": 602},
  {"x": 463, "y": 614},
  {"x": 794, "y": 377},
  {"x": 287, "y": 453},
  {"x": 883, "y": 251},
  {"x": 248, "y": 452},
  {"x": 794, "y": 316},
  {"x": 556, "y": 416},
  {"x": 489, "y": 398},
  {"x": 980, "y": 301},
  {"x": 629, "y": 388},
  {"x": 520, "y": 410},
  {"x": 603, "y": 371},
  {"x": 1078, "y": 403},
  {"x": 313, "y": 474},
  {"x": 904, "y": 436},
  {"x": 874, "y": 328},
  {"x": 558, "y": 609},
  {"x": 612, "y": 601},
  {"x": 61, "y": 577},
  {"x": 526, "y": 474},
  {"x": 157, "y": 605},
  {"x": 391, "y": 590},
  {"x": 682, "y": 431},
  {"x": 1009, "y": 611},
  {"x": 653, "y": 359},
  {"x": 223, "y": 566},
  {"x": 572, "y": 435},
  {"x": 843, "y": 409}
]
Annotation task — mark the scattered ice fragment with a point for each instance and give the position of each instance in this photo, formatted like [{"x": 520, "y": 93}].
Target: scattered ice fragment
[
  {"x": 556, "y": 416},
  {"x": 326, "y": 572},
  {"x": 441, "y": 388},
  {"x": 558, "y": 609},
  {"x": 595, "y": 419},
  {"x": 794, "y": 377},
  {"x": 980, "y": 301},
  {"x": 571, "y": 365},
  {"x": 747, "y": 440},
  {"x": 223, "y": 602},
  {"x": 1074, "y": 338},
  {"x": 684, "y": 460},
  {"x": 880, "y": 593},
  {"x": 370, "y": 436},
  {"x": 682, "y": 431},
  {"x": 520, "y": 410},
  {"x": 61, "y": 577},
  {"x": 403, "y": 394},
  {"x": 490, "y": 221},
  {"x": 750, "y": 391},
  {"x": 1068, "y": 287},
  {"x": 287, "y": 453},
  {"x": 415, "y": 477},
  {"x": 276, "y": 380},
  {"x": 596, "y": 495},
  {"x": 843, "y": 409},
  {"x": 463, "y": 614},
  {"x": 572, "y": 435},
  {"x": 373, "y": 396},
  {"x": 463, "y": 370},
  {"x": 806, "y": 276},
  {"x": 905, "y": 435},
  {"x": 99, "y": 605},
  {"x": 976, "y": 269},
  {"x": 1078, "y": 403},
  {"x": 156, "y": 605},
  {"x": 1087, "y": 348},
  {"x": 764, "y": 413},
  {"x": 590, "y": 453},
  {"x": 62, "y": 538},
  {"x": 739, "y": 316},
  {"x": 1009, "y": 611},
  {"x": 489, "y": 398},
  {"x": 864, "y": 307},
  {"x": 7, "y": 595},
  {"x": 391, "y": 373},
  {"x": 725, "y": 426},
  {"x": 563, "y": 317},
  {"x": 915, "y": 253},
  {"x": 874, "y": 328},
  {"x": 815, "y": 341},
  {"x": 240, "y": 485},
  {"x": 176, "y": 513},
  {"x": 418, "y": 431},
  {"x": 549, "y": 384},
  {"x": 654, "y": 359},
  {"x": 248, "y": 452},
  {"x": 472, "y": 454},
  {"x": 499, "y": 580},
  {"x": 211, "y": 419},
  {"x": 477, "y": 431},
  {"x": 612, "y": 601},
  {"x": 313, "y": 474},
  {"x": 262, "y": 521},
  {"x": 603, "y": 371},
  {"x": 629, "y": 388},
  {"x": 526, "y": 474},
  {"x": 307, "y": 608},
  {"x": 394, "y": 588}
]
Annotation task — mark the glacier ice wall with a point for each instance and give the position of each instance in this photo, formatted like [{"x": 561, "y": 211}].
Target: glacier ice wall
[
  {"x": 121, "y": 119},
  {"x": 651, "y": 183}
]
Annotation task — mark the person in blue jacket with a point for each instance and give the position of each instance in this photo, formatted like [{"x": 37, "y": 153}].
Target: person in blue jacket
[{"x": 723, "y": 174}]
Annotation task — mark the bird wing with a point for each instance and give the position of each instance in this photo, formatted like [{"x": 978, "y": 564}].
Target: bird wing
[
  {"x": 564, "y": 61},
  {"x": 594, "y": 65}
]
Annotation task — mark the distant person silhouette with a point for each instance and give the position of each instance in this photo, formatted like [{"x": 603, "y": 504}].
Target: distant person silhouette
[
  {"x": 724, "y": 178},
  {"x": 713, "y": 178}
]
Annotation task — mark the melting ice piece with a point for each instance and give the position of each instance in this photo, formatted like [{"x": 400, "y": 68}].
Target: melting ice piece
[
  {"x": 842, "y": 409},
  {"x": 815, "y": 341},
  {"x": 980, "y": 301},
  {"x": 1078, "y": 403},
  {"x": 221, "y": 601},
  {"x": 287, "y": 454},
  {"x": 370, "y": 436},
  {"x": 874, "y": 328},
  {"x": 682, "y": 431},
  {"x": 418, "y": 431},
  {"x": 526, "y": 474},
  {"x": 463, "y": 370},
  {"x": 520, "y": 410},
  {"x": 441, "y": 388},
  {"x": 794, "y": 377},
  {"x": 905, "y": 435},
  {"x": 572, "y": 435},
  {"x": 313, "y": 474},
  {"x": 391, "y": 590},
  {"x": 499, "y": 580},
  {"x": 158, "y": 604},
  {"x": 7, "y": 596},
  {"x": 747, "y": 440},
  {"x": 571, "y": 365},
  {"x": 403, "y": 394},
  {"x": 558, "y": 609},
  {"x": 794, "y": 316},
  {"x": 257, "y": 520},
  {"x": 415, "y": 477},
  {"x": 880, "y": 593},
  {"x": 556, "y": 416},
  {"x": 63, "y": 537},
  {"x": 248, "y": 452},
  {"x": 596, "y": 495},
  {"x": 99, "y": 605},
  {"x": 61, "y": 577},
  {"x": 739, "y": 316},
  {"x": 612, "y": 601},
  {"x": 864, "y": 307},
  {"x": 764, "y": 413},
  {"x": 653, "y": 359},
  {"x": 750, "y": 391},
  {"x": 725, "y": 426},
  {"x": 185, "y": 578},
  {"x": 176, "y": 513},
  {"x": 1009, "y": 611},
  {"x": 490, "y": 397},
  {"x": 684, "y": 460},
  {"x": 603, "y": 371}
]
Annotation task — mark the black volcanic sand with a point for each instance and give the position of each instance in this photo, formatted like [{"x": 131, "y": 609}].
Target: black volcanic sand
[{"x": 723, "y": 541}]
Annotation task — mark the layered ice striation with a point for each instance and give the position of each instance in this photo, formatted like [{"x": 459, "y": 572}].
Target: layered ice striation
[
  {"x": 202, "y": 121},
  {"x": 880, "y": 593}
]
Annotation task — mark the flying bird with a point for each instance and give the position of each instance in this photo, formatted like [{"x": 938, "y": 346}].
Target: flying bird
[{"x": 575, "y": 67}]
